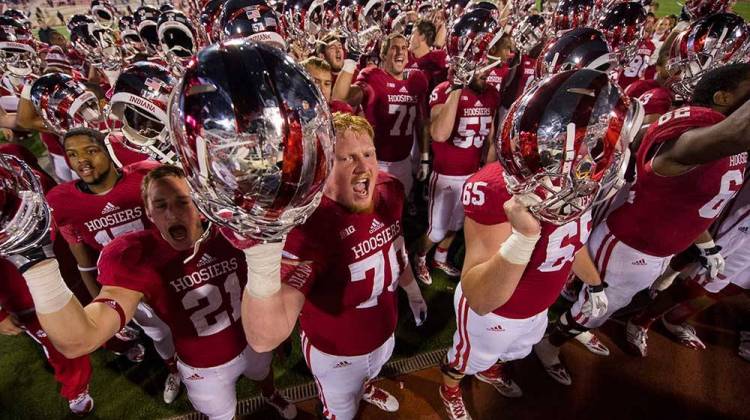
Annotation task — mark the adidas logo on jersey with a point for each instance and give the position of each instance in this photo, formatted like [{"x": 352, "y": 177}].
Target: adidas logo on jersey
[
  {"x": 109, "y": 208},
  {"x": 403, "y": 90},
  {"x": 341, "y": 364},
  {"x": 376, "y": 225},
  {"x": 194, "y": 377},
  {"x": 478, "y": 103},
  {"x": 496, "y": 328},
  {"x": 640, "y": 262},
  {"x": 205, "y": 260}
]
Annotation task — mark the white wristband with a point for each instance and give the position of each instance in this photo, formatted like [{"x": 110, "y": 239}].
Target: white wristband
[
  {"x": 706, "y": 245},
  {"x": 412, "y": 290},
  {"x": 425, "y": 156},
  {"x": 349, "y": 66},
  {"x": 48, "y": 290},
  {"x": 263, "y": 269},
  {"x": 517, "y": 249}
]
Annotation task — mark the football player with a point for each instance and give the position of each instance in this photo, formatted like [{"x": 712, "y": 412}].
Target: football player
[
  {"x": 462, "y": 118},
  {"x": 340, "y": 272},
  {"x": 393, "y": 101},
  {"x": 689, "y": 165},
  {"x": 518, "y": 258},
  {"x": 194, "y": 286},
  {"x": 103, "y": 204},
  {"x": 433, "y": 62},
  {"x": 698, "y": 287}
]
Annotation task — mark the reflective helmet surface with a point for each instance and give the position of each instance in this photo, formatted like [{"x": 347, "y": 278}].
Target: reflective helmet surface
[
  {"x": 565, "y": 142},
  {"x": 254, "y": 135},
  {"x": 24, "y": 216},
  {"x": 64, "y": 103},
  {"x": 706, "y": 44},
  {"x": 140, "y": 97},
  {"x": 576, "y": 49}
]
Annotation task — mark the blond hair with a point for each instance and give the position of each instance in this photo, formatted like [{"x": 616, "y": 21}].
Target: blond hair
[
  {"x": 316, "y": 63},
  {"x": 343, "y": 121}
]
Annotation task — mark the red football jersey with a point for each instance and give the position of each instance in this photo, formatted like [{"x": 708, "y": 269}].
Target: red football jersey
[
  {"x": 552, "y": 259},
  {"x": 199, "y": 300},
  {"x": 664, "y": 215},
  {"x": 394, "y": 108},
  {"x": 497, "y": 76},
  {"x": 434, "y": 64},
  {"x": 14, "y": 294},
  {"x": 524, "y": 77},
  {"x": 462, "y": 153},
  {"x": 348, "y": 265},
  {"x": 97, "y": 219},
  {"x": 635, "y": 70}
]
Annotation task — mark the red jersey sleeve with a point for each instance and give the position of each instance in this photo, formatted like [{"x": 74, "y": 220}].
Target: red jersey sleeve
[
  {"x": 419, "y": 85},
  {"x": 70, "y": 234},
  {"x": 365, "y": 81},
  {"x": 120, "y": 265},
  {"x": 299, "y": 268},
  {"x": 484, "y": 194},
  {"x": 440, "y": 94}
]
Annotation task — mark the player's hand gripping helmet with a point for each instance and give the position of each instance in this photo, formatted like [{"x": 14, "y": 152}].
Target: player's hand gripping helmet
[
  {"x": 581, "y": 48},
  {"x": 64, "y": 103},
  {"x": 254, "y": 136},
  {"x": 565, "y": 142},
  {"x": 253, "y": 19},
  {"x": 24, "y": 216},
  {"x": 139, "y": 101},
  {"x": 622, "y": 25},
  {"x": 469, "y": 42},
  {"x": 706, "y": 44}
]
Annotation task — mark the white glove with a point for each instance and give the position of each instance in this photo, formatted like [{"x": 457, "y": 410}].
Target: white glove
[
  {"x": 416, "y": 302},
  {"x": 424, "y": 167},
  {"x": 711, "y": 258},
  {"x": 596, "y": 304}
]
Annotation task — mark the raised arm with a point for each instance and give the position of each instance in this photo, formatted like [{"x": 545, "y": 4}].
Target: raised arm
[
  {"x": 73, "y": 329},
  {"x": 702, "y": 145},
  {"x": 443, "y": 117},
  {"x": 269, "y": 308},
  {"x": 496, "y": 257}
]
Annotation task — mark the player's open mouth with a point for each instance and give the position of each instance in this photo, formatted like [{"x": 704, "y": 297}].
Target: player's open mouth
[
  {"x": 85, "y": 170},
  {"x": 399, "y": 60},
  {"x": 361, "y": 187},
  {"x": 178, "y": 232}
]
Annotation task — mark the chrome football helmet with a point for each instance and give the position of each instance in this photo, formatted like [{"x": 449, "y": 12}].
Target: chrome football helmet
[
  {"x": 565, "y": 142},
  {"x": 580, "y": 48},
  {"x": 253, "y": 19},
  {"x": 469, "y": 43},
  {"x": 529, "y": 33},
  {"x": 18, "y": 57},
  {"x": 178, "y": 39},
  {"x": 706, "y": 44},
  {"x": 63, "y": 103},
  {"x": 145, "y": 20},
  {"x": 571, "y": 14},
  {"x": 622, "y": 25},
  {"x": 361, "y": 25},
  {"x": 25, "y": 218},
  {"x": 254, "y": 136},
  {"x": 103, "y": 13},
  {"x": 140, "y": 97}
]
